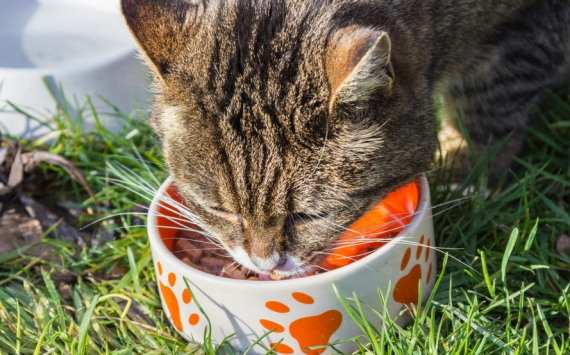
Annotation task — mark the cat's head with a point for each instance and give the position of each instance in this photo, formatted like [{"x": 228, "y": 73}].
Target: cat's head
[{"x": 281, "y": 121}]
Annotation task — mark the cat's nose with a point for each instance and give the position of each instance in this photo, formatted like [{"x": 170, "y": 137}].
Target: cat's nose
[{"x": 268, "y": 264}]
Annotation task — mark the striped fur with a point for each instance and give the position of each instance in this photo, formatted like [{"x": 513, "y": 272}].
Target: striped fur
[{"x": 283, "y": 121}]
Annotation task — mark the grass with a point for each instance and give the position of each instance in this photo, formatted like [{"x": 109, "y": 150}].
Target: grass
[{"x": 508, "y": 291}]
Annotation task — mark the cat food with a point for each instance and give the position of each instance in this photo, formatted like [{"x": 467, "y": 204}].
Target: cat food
[
  {"x": 197, "y": 251},
  {"x": 372, "y": 231}
]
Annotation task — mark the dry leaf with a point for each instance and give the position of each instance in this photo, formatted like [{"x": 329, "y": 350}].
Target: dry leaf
[
  {"x": 8, "y": 151},
  {"x": 3, "y": 155},
  {"x": 31, "y": 160},
  {"x": 563, "y": 245},
  {"x": 16, "y": 170}
]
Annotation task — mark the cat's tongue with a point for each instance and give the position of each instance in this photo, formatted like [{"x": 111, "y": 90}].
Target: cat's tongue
[
  {"x": 264, "y": 277},
  {"x": 274, "y": 277}
]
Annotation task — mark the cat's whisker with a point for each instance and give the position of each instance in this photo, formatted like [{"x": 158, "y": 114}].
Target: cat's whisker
[
  {"x": 148, "y": 192},
  {"x": 361, "y": 241},
  {"x": 167, "y": 204},
  {"x": 210, "y": 238},
  {"x": 143, "y": 188},
  {"x": 237, "y": 265},
  {"x": 202, "y": 174},
  {"x": 162, "y": 227},
  {"x": 338, "y": 195},
  {"x": 110, "y": 216},
  {"x": 370, "y": 237},
  {"x": 222, "y": 255},
  {"x": 130, "y": 181},
  {"x": 147, "y": 169},
  {"x": 180, "y": 227},
  {"x": 399, "y": 240},
  {"x": 194, "y": 240},
  {"x": 446, "y": 161},
  {"x": 404, "y": 213},
  {"x": 142, "y": 160},
  {"x": 351, "y": 258},
  {"x": 134, "y": 188},
  {"x": 131, "y": 177},
  {"x": 396, "y": 229},
  {"x": 319, "y": 267},
  {"x": 185, "y": 250},
  {"x": 363, "y": 232},
  {"x": 339, "y": 227},
  {"x": 394, "y": 240}
]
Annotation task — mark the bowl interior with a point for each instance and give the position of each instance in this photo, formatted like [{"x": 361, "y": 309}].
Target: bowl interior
[{"x": 364, "y": 237}]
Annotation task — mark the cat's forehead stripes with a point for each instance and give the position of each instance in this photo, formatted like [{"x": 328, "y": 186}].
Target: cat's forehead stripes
[
  {"x": 247, "y": 103},
  {"x": 256, "y": 173},
  {"x": 262, "y": 87}
]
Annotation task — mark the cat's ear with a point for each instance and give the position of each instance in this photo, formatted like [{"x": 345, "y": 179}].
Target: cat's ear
[
  {"x": 160, "y": 28},
  {"x": 358, "y": 65}
]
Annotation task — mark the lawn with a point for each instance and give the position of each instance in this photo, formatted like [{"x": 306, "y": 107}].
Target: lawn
[{"x": 504, "y": 278}]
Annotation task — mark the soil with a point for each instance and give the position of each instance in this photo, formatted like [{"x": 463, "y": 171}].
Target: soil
[{"x": 28, "y": 209}]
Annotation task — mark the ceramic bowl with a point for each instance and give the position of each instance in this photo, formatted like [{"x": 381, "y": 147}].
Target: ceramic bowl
[
  {"x": 82, "y": 45},
  {"x": 305, "y": 311}
]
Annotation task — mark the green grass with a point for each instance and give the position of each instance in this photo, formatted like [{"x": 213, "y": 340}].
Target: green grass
[{"x": 509, "y": 294}]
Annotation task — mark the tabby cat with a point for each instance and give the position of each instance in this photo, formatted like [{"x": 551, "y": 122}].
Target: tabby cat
[{"x": 283, "y": 121}]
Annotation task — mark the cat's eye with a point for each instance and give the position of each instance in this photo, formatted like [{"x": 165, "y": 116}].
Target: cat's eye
[
  {"x": 219, "y": 209},
  {"x": 234, "y": 217}
]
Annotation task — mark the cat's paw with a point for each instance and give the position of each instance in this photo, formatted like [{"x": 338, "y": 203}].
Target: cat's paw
[
  {"x": 307, "y": 331},
  {"x": 492, "y": 160},
  {"x": 173, "y": 301},
  {"x": 407, "y": 287}
]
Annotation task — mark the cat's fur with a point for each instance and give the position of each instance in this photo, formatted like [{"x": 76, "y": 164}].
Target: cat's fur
[{"x": 283, "y": 121}]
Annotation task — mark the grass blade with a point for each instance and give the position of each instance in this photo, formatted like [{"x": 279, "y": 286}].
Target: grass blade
[
  {"x": 83, "y": 332},
  {"x": 508, "y": 251}
]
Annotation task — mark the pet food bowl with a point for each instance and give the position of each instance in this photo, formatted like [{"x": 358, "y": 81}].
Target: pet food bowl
[
  {"x": 305, "y": 312},
  {"x": 82, "y": 45}
]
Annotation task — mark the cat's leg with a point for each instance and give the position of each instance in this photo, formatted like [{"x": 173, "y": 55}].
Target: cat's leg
[{"x": 495, "y": 96}]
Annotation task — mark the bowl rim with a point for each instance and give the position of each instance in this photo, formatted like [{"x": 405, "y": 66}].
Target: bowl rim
[{"x": 157, "y": 245}]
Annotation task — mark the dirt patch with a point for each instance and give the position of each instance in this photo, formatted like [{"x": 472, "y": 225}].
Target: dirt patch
[{"x": 24, "y": 220}]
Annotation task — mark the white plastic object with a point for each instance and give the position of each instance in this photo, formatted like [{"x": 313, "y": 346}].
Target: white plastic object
[{"x": 82, "y": 45}]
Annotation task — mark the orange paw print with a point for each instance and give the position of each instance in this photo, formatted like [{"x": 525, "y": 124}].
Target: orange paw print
[
  {"x": 172, "y": 301},
  {"x": 307, "y": 331},
  {"x": 406, "y": 289}
]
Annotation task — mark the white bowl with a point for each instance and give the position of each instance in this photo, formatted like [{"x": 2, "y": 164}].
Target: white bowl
[
  {"x": 82, "y": 45},
  {"x": 305, "y": 310}
]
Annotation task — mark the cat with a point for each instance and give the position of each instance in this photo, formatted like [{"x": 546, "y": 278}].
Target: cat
[{"x": 284, "y": 121}]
